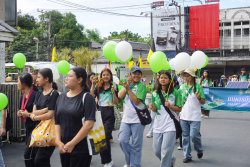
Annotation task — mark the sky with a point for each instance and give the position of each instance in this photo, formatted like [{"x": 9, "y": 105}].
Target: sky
[{"x": 108, "y": 23}]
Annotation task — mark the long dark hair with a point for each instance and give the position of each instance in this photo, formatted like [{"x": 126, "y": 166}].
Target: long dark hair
[
  {"x": 26, "y": 78},
  {"x": 89, "y": 83},
  {"x": 81, "y": 73},
  {"x": 208, "y": 76},
  {"x": 159, "y": 87},
  {"x": 100, "y": 89},
  {"x": 47, "y": 73}
]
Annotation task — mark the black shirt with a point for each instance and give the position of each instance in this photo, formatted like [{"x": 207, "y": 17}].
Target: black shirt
[
  {"x": 47, "y": 101},
  {"x": 29, "y": 124},
  {"x": 69, "y": 113}
]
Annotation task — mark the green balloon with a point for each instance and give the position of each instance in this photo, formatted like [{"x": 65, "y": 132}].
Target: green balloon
[
  {"x": 207, "y": 60},
  {"x": 167, "y": 66},
  {"x": 63, "y": 67},
  {"x": 109, "y": 52},
  {"x": 127, "y": 60},
  {"x": 120, "y": 87},
  {"x": 3, "y": 101},
  {"x": 157, "y": 61},
  {"x": 19, "y": 60}
]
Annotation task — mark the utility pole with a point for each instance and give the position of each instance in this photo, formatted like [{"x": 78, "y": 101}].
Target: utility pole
[
  {"x": 36, "y": 50},
  {"x": 2, "y": 44},
  {"x": 151, "y": 25},
  {"x": 180, "y": 27}
]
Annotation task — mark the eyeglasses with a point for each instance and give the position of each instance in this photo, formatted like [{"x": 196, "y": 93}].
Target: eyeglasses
[{"x": 68, "y": 77}]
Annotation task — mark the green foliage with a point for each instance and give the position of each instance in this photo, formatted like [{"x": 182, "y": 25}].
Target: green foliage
[
  {"x": 94, "y": 34},
  {"x": 26, "y": 22}
]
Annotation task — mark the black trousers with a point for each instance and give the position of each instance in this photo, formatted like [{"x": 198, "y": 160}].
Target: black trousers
[
  {"x": 108, "y": 118},
  {"x": 29, "y": 152},
  {"x": 76, "y": 160},
  {"x": 43, "y": 156}
]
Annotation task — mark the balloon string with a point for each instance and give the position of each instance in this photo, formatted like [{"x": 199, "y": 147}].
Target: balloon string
[
  {"x": 113, "y": 72},
  {"x": 62, "y": 81},
  {"x": 198, "y": 79},
  {"x": 170, "y": 85},
  {"x": 20, "y": 71},
  {"x": 152, "y": 88},
  {"x": 123, "y": 72}
]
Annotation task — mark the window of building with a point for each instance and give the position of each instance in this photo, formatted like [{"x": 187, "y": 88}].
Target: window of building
[
  {"x": 228, "y": 33},
  {"x": 221, "y": 33},
  {"x": 227, "y": 24},
  {"x": 237, "y": 32},
  {"x": 237, "y": 23},
  {"x": 246, "y": 31},
  {"x": 220, "y": 24},
  {"x": 245, "y": 23}
]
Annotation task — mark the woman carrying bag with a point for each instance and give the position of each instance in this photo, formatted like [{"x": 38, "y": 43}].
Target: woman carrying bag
[
  {"x": 44, "y": 108},
  {"x": 206, "y": 81},
  {"x": 164, "y": 127},
  {"x": 192, "y": 98},
  {"x": 70, "y": 110},
  {"x": 134, "y": 94},
  {"x": 107, "y": 97},
  {"x": 26, "y": 106}
]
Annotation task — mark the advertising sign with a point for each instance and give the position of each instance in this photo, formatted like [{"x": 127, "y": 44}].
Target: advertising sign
[
  {"x": 227, "y": 99},
  {"x": 158, "y": 3},
  {"x": 166, "y": 29}
]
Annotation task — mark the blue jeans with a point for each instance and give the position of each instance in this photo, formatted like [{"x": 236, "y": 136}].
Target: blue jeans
[
  {"x": 191, "y": 129},
  {"x": 163, "y": 146},
  {"x": 132, "y": 151},
  {"x": 1, "y": 159},
  {"x": 153, "y": 114}
]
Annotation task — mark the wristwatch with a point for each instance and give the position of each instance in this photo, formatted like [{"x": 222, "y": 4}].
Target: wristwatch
[
  {"x": 37, "y": 118},
  {"x": 33, "y": 118},
  {"x": 199, "y": 99}
]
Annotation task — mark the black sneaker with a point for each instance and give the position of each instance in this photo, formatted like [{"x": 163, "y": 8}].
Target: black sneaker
[
  {"x": 186, "y": 160},
  {"x": 200, "y": 155}
]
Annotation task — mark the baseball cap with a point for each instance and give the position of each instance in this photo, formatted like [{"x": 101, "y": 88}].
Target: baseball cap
[{"x": 134, "y": 69}]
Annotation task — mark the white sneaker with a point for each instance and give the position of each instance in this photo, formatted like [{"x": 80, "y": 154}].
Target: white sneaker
[
  {"x": 179, "y": 148},
  {"x": 202, "y": 115},
  {"x": 149, "y": 135},
  {"x": 126, "y": 165},
  {"x": 206, "y": 117},
  {"x": 109, "y": 164}
]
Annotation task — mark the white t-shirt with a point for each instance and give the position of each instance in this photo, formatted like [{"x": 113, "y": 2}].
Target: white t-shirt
[{"x": 180, "y": 80}]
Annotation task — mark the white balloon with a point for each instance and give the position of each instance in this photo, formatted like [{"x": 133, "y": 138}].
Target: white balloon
[
  {"x": 113, "y": 42},
  {"x": 192, "y": 66},
  {"x": 123, "y": 50},
  {"x": 54, "y": 70},
  {"x": 171, "y": 63},
  {"x": 198, "y": 59},
  {"x": 182, "y": 61},
  {"x": 116, "y": 80}
]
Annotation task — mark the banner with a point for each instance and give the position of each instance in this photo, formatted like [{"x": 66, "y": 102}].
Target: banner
[
  {"x": 166, "y": 38},
  {"x": 227, "y": 99}
]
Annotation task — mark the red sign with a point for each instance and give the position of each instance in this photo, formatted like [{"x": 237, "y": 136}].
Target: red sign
[
  {"x": 207, "y": 1},
  {"x": 158, "y": 3}
]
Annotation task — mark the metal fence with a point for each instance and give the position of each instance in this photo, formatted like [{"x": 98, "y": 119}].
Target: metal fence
[{"x": 13, "y": 94}]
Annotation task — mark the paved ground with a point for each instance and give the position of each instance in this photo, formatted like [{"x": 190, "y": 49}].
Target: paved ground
[{"x": 225, "y": 137}]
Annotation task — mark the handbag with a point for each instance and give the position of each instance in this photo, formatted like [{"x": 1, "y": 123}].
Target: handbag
[
  {"x": 143, "y": 115},
  {"x": 44, "y": 135},
  {"x": 96, "y": 139},
  {"x": 176, "y": 122},
  {"x": 118, "y": 118}
]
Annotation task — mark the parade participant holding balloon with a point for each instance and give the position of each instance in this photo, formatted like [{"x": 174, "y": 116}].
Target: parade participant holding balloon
[
  {"x": 153, "y": 114},
  {"x": 206, "y": 81},
  {"x": 192, "y": 98},
  {"x": 44, "y": 107},
  {"x": 107, "y": 96},
  {"x": 3, "y": 108},
  {"x": 70, "y": 110},
  {"x": 90, "y": 79},
  {"x": 134, "y": 94},
  {"x": 26, "y": 106},
  {"x": 164, "y": 127}
]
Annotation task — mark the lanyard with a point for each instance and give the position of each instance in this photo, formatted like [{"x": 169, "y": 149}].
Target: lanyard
[{"x": 23, "y": 106}]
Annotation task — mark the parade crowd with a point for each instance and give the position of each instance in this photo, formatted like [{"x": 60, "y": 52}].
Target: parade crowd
[{"x": 175, "y": 106}]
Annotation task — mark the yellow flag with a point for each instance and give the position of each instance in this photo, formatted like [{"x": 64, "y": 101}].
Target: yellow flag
[
  {"x": 54, "y": 50},
  {"x": 110, "y": 64},
  {"x": 130, "y": 64}
]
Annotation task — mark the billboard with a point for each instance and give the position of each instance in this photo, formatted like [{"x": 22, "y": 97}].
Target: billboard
[
  {"x": 204, "y": 26},
  {"x": 166, "y": 38},
  {"x": 11, "y": 12}
]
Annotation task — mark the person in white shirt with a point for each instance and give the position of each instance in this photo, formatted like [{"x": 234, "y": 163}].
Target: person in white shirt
[{"x": 180, "y": 80}]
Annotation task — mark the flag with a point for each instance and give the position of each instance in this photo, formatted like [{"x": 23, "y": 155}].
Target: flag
[
  {"x": 110, "y": 65},
  {"x": 152, "y": 49},
  {"x": 130, "y": 64},
  {"x": 54, "y": 50},
  {"x": 140, "y": 60}
]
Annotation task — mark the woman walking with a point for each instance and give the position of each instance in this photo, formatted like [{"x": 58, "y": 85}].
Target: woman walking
[
  {"x": 134, "y": 94},
  {"x": 192, "y": 98},
  {"x": 90, "y": 79},
  {"x": 44, "y": 108},
  {"x": 70, "y": 110},
  {"x": 206, "y": 81},
  {"x": 26, "y": 107},
  {"x": 107, "y": 96},
  {"x": 164, "y": 127}
]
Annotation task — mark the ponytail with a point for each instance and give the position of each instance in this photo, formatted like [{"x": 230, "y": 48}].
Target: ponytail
[
  {"x": 85, "y": 88},
  {"x": 54, "y": 86},
  {"x": 34, "y": 87}
]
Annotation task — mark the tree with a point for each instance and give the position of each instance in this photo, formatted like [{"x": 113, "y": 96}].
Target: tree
[
  {"x": 95, "y": 35},
  {"x": 26, "y": 22}
]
